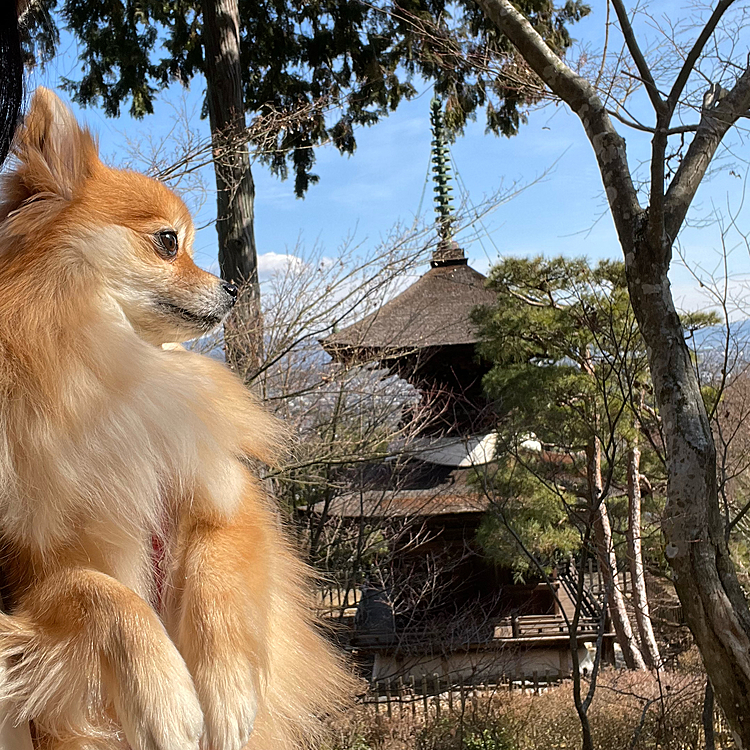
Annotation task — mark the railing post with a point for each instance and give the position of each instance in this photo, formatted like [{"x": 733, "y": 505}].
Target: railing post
[
  {"x": 412, "y": 684},
  {"x": 437, "y": 695}
]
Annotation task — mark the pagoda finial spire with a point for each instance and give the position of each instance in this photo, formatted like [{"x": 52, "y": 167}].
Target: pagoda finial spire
[{"x": 447, "y": 252}]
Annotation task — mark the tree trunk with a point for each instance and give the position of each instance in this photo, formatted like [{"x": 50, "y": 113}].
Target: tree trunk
[
  {"x": 712, "y": 601},
  {"x": 649, "y": 648},
  {"x": 608, "y": 561},
  {"x": 235, "y": 189},
  {"x": 582, "y": 704}
]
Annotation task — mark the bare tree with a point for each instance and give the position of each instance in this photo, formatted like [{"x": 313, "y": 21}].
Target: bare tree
[{"x": 712, "y": 599}]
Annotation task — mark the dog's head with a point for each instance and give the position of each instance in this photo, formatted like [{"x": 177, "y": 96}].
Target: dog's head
[{"x": 129, "y": 234}]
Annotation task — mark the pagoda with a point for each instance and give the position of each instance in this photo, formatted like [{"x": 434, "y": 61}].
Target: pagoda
[
  {"x": 425, "y": 334},
  {"x": 480, "y": 621}
]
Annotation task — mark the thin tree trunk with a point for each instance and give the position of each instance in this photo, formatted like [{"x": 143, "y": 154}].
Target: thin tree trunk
[
  {"x": 708, "y": 717},
  {"x": 649, "y": 648},
  {"x": 582, "y": 704},
  {"x": 235, "y": 189},
  {"x": 608, "y": 561}
]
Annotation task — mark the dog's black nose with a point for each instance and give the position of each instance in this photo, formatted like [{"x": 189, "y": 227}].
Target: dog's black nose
[{"x": 232, "y": 290}]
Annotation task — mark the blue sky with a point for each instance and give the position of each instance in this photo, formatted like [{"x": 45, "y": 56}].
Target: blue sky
[{"x": 383, "y": 183}]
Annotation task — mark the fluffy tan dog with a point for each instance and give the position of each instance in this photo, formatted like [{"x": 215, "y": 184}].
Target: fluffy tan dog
[{"x": 107, "y": 442}]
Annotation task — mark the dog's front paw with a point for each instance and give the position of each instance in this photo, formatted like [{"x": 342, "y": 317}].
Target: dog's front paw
[
  {"x": 230, "y": 703},
  {"x": 178, "y": 722},
  {"x": 159, "y": 708}
]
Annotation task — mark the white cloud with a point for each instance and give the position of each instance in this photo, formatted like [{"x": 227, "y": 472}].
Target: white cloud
[
  {"x": 690, "y": 297},
  {"x": 273, "y": 263}
]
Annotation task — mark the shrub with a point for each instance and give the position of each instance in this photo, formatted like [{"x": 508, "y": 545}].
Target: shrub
[{"x": 454, "y": 734}]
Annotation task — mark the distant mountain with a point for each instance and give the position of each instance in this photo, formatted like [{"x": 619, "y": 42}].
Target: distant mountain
[
  {"x": 713, "y": 346},
  {"x": 715, "y": 336}
]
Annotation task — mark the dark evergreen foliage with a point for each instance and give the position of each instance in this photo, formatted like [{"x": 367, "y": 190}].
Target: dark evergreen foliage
[
  {"x": 11, "y": 76},
  {"x": 363, "y": 55}
]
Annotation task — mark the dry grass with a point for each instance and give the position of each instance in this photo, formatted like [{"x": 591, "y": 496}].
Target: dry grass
[{"x": 630, "y": 711}]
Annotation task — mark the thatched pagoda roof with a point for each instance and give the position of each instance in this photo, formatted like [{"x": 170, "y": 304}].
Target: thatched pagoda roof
[{"x": 432, "y": 312}]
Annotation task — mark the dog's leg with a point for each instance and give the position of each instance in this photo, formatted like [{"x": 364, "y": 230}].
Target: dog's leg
[
  {"x": 80, "y": 641},
  {"x": 218, "y": 614}
]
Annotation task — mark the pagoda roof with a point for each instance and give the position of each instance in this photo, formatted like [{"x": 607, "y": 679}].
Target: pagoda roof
[
  {"x": 404, "y": 504},
  {"x": 412, "y": 489},
  {"x": 433, "y": 312}
]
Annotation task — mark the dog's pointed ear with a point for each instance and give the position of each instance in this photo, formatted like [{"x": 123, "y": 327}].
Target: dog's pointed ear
[{"x": 55, "y": 153}]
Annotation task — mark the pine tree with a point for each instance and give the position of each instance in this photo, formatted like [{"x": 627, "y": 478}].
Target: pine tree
[{"x": 569, "y": 381}]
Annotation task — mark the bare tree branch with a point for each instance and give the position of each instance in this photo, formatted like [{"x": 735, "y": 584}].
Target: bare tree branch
[
  {"x": 582, "y": 98},
  {"x": 692, "y": 56},
  {"x": 638, "y": 58},
  {"x": 721, "y": 110},
  {"x": 646, "y": 129}
]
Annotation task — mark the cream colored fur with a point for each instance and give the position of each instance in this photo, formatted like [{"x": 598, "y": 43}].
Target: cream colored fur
[{"x": 108, "y": 440}]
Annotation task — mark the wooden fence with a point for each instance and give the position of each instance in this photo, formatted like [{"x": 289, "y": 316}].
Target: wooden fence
[{"x": 432, "y": 696}]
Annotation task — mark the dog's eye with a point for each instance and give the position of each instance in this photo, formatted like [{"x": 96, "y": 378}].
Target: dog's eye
[{"x": 166, "y": 244}]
